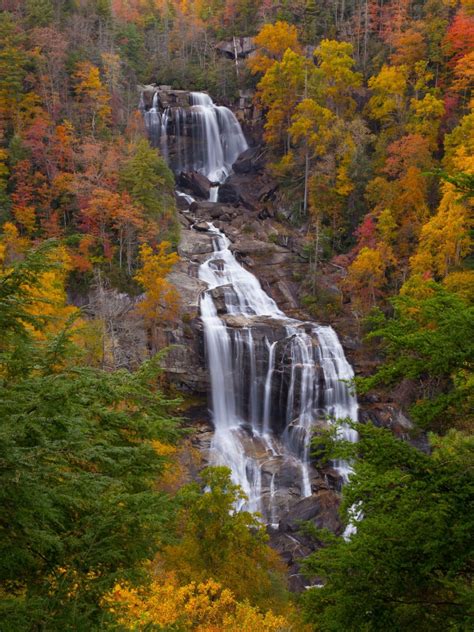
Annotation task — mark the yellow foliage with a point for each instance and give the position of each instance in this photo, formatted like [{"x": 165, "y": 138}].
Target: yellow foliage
[
  {"x": 314, "y": 124},
  {"x": 461, "y": 283},
  {"x": 388, "y": 93},
  {"x": 199, "y": 607},
  {"x": 426, "y": 117},
  {"x": 272, "y": 42},
  {"x": 12, "y": 245},
  {"x": 459, "y": 146},
  {"x": 335, "y": 62},
  {"x": 161, "y": 299},
  {"x": 445, "y": 238},
  {"x": 366, "y": 275},
  {"x": 173, "y": 474},
  {"x": 92, "y": 94},
  {"x": 25, "y": 216},
  {"x": 279, "y": 91},
  {"x": 49, "y": 295}
]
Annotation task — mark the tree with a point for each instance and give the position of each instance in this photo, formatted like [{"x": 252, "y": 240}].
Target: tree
[
  {"x": 39, "y": 12},
  {"x": 78, "y": 469},
  {"x": 366, "y": 277},
  {"x": 445, "y": 239},
  {"x": 335, "y": 61},
  {"x": 409, "y": 563},
  {"x": 93, "y": 97},
  {"x": 429, "y": 341},
  {"x": 13, "y": 68},
  {"x": 279, "y": 91},
  {"x": 161, "y": 299},
  {"x": 198, "y": 607},
  {"x": 112, "y": 217},
  {"x": 272, "y": 42},
  {"x": 387, "y": 103},
  {"x": 216, "y": 542},
  {"x": 150, "y": 183}
]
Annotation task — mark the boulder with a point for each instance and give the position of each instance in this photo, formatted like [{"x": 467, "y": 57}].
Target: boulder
[
  {"x": 202, "y": 227},
  {"x": 195, "y": 182},
  {"x": 194, "y": 243},
  {"x": 249, "y": 161},
  {"x": 238, "y": 46},
  {"x": 229, "y": 193},
  {"x": 321, "y": 509}
]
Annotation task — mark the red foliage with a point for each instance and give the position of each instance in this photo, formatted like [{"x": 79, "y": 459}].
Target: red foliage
[
  {"x": 459, "y": 40},
  {"x": 366, "y": 233}
]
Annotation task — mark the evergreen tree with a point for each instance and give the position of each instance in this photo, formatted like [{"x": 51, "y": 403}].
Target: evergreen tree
[
  {"x": 408, "y": 566},
  {"x": 77, "y": 470}
]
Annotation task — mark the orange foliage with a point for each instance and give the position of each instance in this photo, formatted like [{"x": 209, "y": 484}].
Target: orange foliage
[
  {"x": 410, "y": 47},
  {"x": 93, "y": 96}
]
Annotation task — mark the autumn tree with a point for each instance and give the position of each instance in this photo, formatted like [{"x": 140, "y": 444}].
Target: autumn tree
[
  {"x": 387, "y": 103},
  {"x": 160, "y": 302},
  {"x": 445, "y": 238},
  {"x": 13, "y": 68},
  {"x": 335, "y": 62},
  {"x": 198, "y": 606},
  {"x": 279, "y": 91},
  {"x": 92, "y": 96},
  {"x": 216, "y": 542},
  {"x": 366, "y": 278},
  {"x": 272, "y": 42}
]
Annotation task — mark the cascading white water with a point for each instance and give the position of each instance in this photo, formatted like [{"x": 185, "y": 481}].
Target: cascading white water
[
  {"x": 272, "y": 377},
  {"x": 267, "y": 393},
  {"x": 216, "y": 138}
]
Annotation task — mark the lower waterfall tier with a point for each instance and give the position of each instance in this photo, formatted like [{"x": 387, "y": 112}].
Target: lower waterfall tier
[{"x": 273, "y": 379}]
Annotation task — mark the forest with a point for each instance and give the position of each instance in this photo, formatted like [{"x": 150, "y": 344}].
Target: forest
[{"x": 186, "y": 443}]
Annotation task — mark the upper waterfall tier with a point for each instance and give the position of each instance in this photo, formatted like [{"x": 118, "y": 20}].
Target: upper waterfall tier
[
  {"x": 272, "y": 379},
  {"x": 194, "y": 134}
]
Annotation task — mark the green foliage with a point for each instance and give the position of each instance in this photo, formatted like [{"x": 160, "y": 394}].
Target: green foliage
[
  {"x": 39, "y": 12},
  {"x": 77, "y": 471},
  {"x": 429, "y": 340},
  {"x": 409, "y": 564},
  {"x": 226, "y": 545},
  {"x": 149, "y": 181}
]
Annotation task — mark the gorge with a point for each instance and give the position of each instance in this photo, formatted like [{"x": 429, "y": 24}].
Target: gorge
[{"x": 273, "y": 378}]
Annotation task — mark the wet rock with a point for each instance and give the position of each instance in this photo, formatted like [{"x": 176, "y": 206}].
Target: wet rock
[
  {"x": 228, "y": 194},
  {"x": 194, "y": 243},
  {"x": 202, "y": 227},
  {"x": 223, "y": 296},
  {"x": 195, "y": 182}
]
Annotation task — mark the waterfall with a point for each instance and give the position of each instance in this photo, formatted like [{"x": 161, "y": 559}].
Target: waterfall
[
  {"x": 206, "y": 137},
  {"x": 217, "y": 137},
  {"x": 272, "y": 379}
]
